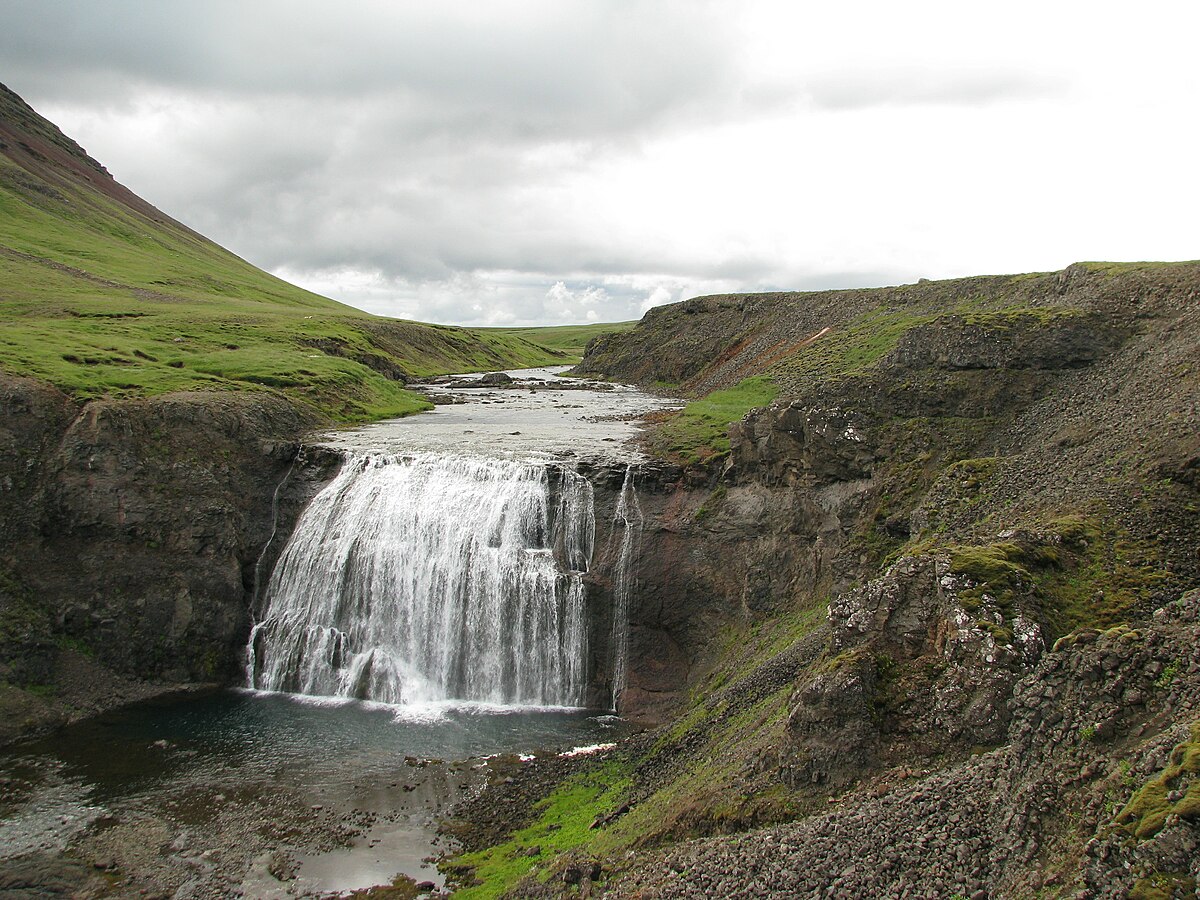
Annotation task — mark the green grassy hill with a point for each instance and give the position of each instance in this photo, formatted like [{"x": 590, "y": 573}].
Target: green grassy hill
[
  {"x": 567, "y": 339},
  {"x": 101, "y": 294}
]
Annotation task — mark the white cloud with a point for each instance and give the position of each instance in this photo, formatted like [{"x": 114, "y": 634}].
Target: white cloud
[
  {"x": 660, "y": 296},
  {"x": 580, "y": 305}
]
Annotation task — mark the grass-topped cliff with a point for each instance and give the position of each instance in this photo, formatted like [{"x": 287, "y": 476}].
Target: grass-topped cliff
[
  {"x": 101, "y": 294},
  {"x": 740, "y": 350}
]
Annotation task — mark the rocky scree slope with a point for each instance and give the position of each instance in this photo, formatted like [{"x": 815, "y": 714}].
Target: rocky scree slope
[
  {"x": 922, "y": 589},
  {"x": 1093, "y": 793}
]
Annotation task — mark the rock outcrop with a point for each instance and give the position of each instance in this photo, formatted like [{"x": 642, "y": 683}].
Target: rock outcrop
[
  {"x": 918, "y": 632},
  {"x": 989, "y": 403},
  {"x": 1077, "y": 802},
  {"x": 133, "y": 530}
]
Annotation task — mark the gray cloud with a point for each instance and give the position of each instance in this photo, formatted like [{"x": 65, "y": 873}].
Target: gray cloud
[
  {"x": 517, "y": 69},
  {"x": 415, "y": 145},
  {"x": 420, "y": 159}
]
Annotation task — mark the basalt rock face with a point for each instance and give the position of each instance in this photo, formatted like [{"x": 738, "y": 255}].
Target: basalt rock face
[
  {"x": 955, "y": 342},
  {"x": 798, "y": 440},
  {"x": 132, "y": 530},
  {"x": 1080, "y": 403},
  {"x": 710, "y": 559},
  {"x": 1098, "y": 719},
  {"x": 913, "y": 673}
]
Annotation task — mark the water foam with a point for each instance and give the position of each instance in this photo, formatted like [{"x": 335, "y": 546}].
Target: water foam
[{"x": 415, "y": 580}]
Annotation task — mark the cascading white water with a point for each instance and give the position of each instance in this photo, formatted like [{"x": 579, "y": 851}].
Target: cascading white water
[
  {"x": 425, "y": 578},
  {"x": 628, "y": 516},
  {"x": 262, "y": 554}
]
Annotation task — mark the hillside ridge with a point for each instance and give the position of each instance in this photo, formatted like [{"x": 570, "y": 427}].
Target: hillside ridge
[
  {"x": 711, "y": 342},
  {"x": 107, "y": 296},
  {"x": 40, "y": 147}
]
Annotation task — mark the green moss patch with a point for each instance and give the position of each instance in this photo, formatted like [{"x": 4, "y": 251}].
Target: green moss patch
[
  {"x": 698, "y": 433},
  {"x": 738, "y": 713},
  {"x": 1122, "y": 268},
  {"x": 401, "y": 888},
  {"x": 856, "y": 347},
  {"x": 1101, "y": 574},
  {"x": 1164, "y": 886},
  {"x": 1173, "y": 791},
  {"x": 1076, "y": 571},
  {"x": 563, "y": 823},
  {"x": 1012, "y": 317},
  {"x": 745, "y": 648},
  {"x": 997, "y": 570}
]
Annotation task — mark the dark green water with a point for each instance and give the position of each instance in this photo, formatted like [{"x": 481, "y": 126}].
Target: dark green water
[
  {"x": 267, "y": 735},
  {"x": 236, "y": 746}
]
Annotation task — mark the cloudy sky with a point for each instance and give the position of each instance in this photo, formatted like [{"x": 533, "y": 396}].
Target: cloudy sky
[{"x": 526, "y": 162}]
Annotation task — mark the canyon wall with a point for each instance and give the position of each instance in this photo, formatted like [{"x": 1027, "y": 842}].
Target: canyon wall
[
  {"x": 131, "y": 538},
  {"x": 137, "y": 538},
  {"x": 1053, "y": 414},
  {"x": 924, "y": 625}
]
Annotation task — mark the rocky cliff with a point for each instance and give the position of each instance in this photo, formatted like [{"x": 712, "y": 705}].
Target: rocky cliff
[
  {"x": 131, "y": 537},
  {"x": 1066, "y": 405},
  {"x": 926, "y": 607}
]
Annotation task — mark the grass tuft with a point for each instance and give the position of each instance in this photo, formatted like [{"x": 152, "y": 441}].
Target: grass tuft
[
  {"x": 698, "y": 433},
  {"x": 563, "y": 824}
]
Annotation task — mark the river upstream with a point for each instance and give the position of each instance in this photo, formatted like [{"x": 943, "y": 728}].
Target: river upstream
[{"x": 424, "y": 620}]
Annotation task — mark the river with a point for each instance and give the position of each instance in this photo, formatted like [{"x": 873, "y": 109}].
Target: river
[{"x": 424, "y": 618}]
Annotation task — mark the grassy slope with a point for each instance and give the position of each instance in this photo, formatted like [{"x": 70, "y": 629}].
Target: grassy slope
[
  {"x": 736, "y": 713},
  {"x": 101, "y": 297},
  {"x": 567, "y": 339},
  {"x": 698, "y": 433}
]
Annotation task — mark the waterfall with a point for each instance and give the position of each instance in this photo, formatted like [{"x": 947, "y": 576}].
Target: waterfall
[
  {"x": 262, "y": 554},
  {"x": 628, "y": 517},
  {"x": 426, "y": 577}
]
